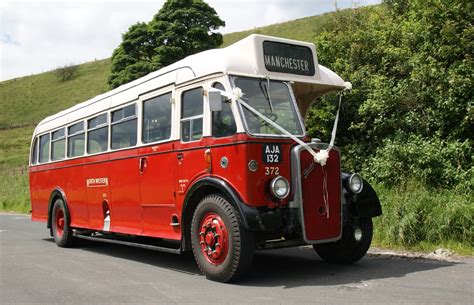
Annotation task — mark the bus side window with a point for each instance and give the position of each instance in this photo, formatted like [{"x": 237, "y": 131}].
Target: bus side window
[
  {"x": 44, "y": 148},
  {"x": 157, "y": 119},
  {"x": 191, "y": 115},
  {"x": 97, "y": 134},
  {"x": 34, "y": 152},
  {"x": 124, "y": 127},
  {"x": 58, "y": 145},
  {"x": 75, "y": 140},
  {"x": 223, "y": 122}
]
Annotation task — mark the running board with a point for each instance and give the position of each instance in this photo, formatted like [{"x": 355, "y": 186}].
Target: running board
[{"x": 109, "y": 240}]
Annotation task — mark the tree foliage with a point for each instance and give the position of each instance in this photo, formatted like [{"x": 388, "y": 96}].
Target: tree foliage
[
  {"x": 179, "y": 29},
  {"x": 411, "y": 65}
]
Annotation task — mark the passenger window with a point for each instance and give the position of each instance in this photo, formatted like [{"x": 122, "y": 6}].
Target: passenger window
[
  {"x": 124, "y": 127},
  {"x": 34, "y": 152},
  {"x": 157, "y": 119},
  {"x": 191, "y": 115},
  {"x": 223, "y": 122},
  {"x": 97, "y": 134},
  {"x": 58, "y": 145},
  {"x": 75, "y": 140},
  {"x": 44, "y": 148}
]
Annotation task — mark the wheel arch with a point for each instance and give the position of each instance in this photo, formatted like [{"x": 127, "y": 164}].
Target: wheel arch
[
  {"x": 364, "y": 204},
  {"x": 200, "y": 189},
  {"x": 55, "y": 194}
]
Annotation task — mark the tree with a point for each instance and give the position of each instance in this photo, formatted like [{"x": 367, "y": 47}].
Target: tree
[
  {"x": 179, "y": 29},
  {"x": 411, "y": 66}
]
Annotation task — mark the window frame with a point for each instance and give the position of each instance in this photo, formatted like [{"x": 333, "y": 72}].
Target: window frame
[
  {"x": 63, "y": 137},
  {"x": 213, "y": 85},
  {"x": 143, "y": 142},
  {"x": 49, "y": 148},
  {"x": 98, "y": 126},
  {"x": 77, "y": 133},
  {"x": 123, "y": 120},
  {"x": 191, "y": 118}
]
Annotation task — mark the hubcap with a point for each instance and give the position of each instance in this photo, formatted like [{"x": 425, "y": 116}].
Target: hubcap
[
  {"x": 358, "y": 234},
  {"x": 60, "y": 223},
  {"x": 213, "y": 239}
]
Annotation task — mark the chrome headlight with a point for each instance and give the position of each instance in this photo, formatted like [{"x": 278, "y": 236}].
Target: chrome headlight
[
  {"x": 355, "y": 183},
  {"x": 279, "y": 187}
]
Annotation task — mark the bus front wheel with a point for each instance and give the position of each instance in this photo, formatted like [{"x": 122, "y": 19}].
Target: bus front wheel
[
  {"x": 222, "y": 247},
  {"x": 60, "y": 224}
]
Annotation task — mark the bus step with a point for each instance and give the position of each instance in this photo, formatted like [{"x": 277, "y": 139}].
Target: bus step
[{"x": 145, "y": 242}]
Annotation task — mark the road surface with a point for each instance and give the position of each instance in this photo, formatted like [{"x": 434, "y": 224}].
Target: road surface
[{"x": 34, "y": 270}]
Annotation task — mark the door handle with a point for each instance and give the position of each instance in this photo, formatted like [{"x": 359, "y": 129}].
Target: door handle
[
  {"x": 180, "y": 157},
  {"x": 142, "y": 164}
]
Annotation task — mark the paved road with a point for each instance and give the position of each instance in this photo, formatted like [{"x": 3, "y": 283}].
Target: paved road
[{"x": 34, "y": 270}]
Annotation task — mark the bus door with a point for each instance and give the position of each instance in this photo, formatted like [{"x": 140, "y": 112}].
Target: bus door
[
  {"x": 96, "y": 172},
  {"x": 157, "y": 169},
  {"x": 191, "y": 150},
  {"x": 124, "y": 178}
]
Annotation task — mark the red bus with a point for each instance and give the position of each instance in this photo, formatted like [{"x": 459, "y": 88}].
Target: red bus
[{"x": 208, "y": 155}]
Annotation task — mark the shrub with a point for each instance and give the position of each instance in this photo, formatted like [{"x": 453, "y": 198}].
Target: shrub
[
  {"x": 67, "y": 72},
  {"x": 433, "y": 161}
]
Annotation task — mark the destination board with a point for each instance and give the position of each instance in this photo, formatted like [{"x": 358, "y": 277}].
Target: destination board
[{"x": 288, "y": 58}]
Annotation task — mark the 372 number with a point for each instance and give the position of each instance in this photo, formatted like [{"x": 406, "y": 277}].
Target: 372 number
[{"x": 272, "y": 170}]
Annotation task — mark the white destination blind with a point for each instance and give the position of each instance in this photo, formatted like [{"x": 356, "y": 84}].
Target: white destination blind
[{"x": 288, "y": 58}]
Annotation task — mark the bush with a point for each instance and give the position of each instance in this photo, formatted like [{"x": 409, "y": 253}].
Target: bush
[
  {"x": 433, "y": 161},
  {"x": 67, "y": 72}
]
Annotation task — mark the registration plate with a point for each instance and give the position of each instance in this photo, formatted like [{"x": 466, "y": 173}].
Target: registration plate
[{"x": 271, "y": 153}]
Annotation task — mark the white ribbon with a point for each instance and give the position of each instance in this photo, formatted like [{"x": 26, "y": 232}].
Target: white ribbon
[{"x": 318, "y": 157}]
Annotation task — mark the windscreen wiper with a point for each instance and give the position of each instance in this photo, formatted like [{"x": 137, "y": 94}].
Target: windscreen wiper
[{"x": 266, "y": 92}]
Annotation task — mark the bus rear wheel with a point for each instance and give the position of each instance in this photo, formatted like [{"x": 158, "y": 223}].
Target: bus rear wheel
[
  {"x": 60, "y": 224},
  {"x": 222, "y": 247},
  {"x": 353, "y": 245}
]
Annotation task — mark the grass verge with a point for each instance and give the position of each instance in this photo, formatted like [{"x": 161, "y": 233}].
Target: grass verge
[{"x": 422, "y": 219}]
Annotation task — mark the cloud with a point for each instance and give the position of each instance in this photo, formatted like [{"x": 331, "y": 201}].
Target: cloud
[{"x": 38, "y": 36}]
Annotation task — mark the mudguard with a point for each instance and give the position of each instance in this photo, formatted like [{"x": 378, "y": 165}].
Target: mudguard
[
  {"x": 58, "y": 192},
  {"x": 364, "y": 204},
  {"x": 252, "y": 218}
]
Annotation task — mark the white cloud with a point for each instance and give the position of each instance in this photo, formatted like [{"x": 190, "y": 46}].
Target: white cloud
[{"x": 38, "y": 36}]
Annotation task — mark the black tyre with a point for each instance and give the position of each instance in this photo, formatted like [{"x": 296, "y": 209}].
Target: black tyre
[
  {"x": 60, "y": 224},
  {"x": 222, "y": 247},
  {"x": 353, "y": 245}
]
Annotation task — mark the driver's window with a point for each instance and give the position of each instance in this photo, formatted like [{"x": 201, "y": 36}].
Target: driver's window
[{"x": 223, "y": 123}]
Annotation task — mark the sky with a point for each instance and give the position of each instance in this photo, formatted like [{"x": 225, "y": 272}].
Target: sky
[{"x": 39, "y": 36}]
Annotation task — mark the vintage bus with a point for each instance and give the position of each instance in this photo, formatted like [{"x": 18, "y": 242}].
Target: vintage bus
[{"x": 208, "y": 155}]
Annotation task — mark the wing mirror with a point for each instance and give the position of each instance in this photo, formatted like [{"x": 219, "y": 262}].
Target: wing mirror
[{"x": 215, "y": 100}]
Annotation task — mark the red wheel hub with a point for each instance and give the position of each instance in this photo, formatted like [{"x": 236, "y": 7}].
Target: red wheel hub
[
  {"x": 213, "y": 238},
  {"x": 59, "y": 220}
]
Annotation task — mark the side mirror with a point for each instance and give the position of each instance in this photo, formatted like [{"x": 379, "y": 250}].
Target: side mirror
[{"x": 215, "y": 100}]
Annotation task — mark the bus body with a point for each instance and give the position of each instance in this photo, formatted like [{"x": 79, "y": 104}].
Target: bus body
[{"x": 176, "y": 161}]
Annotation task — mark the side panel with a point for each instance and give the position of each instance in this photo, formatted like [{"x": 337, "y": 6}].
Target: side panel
[
  {"x": 39, "y": 202},
  {"x": 124, "y": 180},
  {"x": 75, "y": 190},
  {"x": 96, "y": 176},
  {"x": 157, "y": 182},
  {"x": 191, "y": 164}
]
